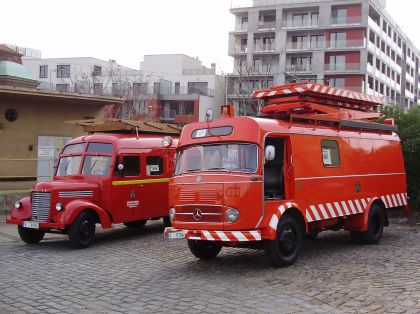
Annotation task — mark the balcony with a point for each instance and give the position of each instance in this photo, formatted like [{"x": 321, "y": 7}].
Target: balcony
[
  {"x": 346, "y": 44},
  {"x": 347, "y": 20},
  {"x": 240, "y": 49},
  {"x": 241, "y": 27},
  {"x": 298, "y": 68},
  {"x": 342, "y": 67},
  {"x": 266, "y": 26},
  {"x": 290, "y": 24},
  {"x": 374, "y": 26},
  {"x": 269, "y": 47},
  {"x": 305, "y": 45}
]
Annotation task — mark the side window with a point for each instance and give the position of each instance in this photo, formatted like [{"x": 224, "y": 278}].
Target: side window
[
  {"x": 154, "y": 165},
  {"x": 131, "y": 166},
  {"x": 330, "y": 153}
]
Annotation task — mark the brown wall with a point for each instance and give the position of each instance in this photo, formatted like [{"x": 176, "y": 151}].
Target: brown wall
[{"x": 35, "y": 119}]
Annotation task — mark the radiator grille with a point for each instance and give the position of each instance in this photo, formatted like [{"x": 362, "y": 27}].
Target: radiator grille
[{"x": 41, "y": 203}]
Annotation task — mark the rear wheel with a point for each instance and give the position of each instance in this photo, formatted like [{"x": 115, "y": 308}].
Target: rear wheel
[
  {"x": 30, "y": 236},
  {"x": 82, "y": 231},
  {"x": 284, "y": 249},
  {"x": 373, "y": 234},
  {"x": 204, "y": 249},
  {"x": 136, "y": 224}
]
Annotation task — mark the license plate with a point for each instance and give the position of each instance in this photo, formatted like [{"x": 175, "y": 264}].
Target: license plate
[
  {"x": 31, "y": 224},
  {"x": 176, "y": 235}
]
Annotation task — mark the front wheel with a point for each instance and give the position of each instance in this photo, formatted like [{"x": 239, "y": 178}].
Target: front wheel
[
  {"x": 30, "y": 236},
  {"x": 204, "y": 249},
  {"x": 284, "y": 249},
  {"x": 82, "y": 231}
]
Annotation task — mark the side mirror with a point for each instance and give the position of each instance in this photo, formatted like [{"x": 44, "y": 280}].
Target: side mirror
[
  {"x": 270, "y": 153},
  {"x": 209, "y": 115},
  {"x": 120, "y": 167}
]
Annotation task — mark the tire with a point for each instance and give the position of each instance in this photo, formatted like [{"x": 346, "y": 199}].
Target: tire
[
  {"x": 204, "y": 249},
  {"x": 284, "y": 249},
  {"x": 375, "y": 229},
  {"x": 82, "y": 231},
  {"x": 136, "y": 224},
  {"x": 30, "y": 236},
  {"x": 167, "y": 222}
]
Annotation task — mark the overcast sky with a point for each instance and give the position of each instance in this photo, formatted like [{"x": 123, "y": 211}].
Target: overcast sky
[{"x": 126, "y": 30}]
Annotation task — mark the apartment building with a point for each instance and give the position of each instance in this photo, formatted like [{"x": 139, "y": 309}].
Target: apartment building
[
  {"x": 354, "y": 44},
  {"x": 172, "y": 88}
]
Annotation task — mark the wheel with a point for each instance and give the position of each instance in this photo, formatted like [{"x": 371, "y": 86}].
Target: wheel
[
  {"x": 375, "y": 226},
  {"x": 82, "y": 231},
  {"x": 204, "y": 249},
  {"x": 30, "y": 236},
  {"x": 136, "y": 224},
  {"x": 167, "y": 221},
  {"x": 284, "y": 249}
]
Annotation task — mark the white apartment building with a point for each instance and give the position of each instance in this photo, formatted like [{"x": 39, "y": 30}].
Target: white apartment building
[
  {"x": 172, "y": 88},
  {"x": 353, "y": 44}
]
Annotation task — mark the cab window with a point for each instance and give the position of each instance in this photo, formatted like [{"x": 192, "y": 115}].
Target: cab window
[
  {"x": 100, "y": 148},
  {"x": 131, "y": 166},
  {"x": 330, "y": 153},
  {"x": 154, "y": 165}
]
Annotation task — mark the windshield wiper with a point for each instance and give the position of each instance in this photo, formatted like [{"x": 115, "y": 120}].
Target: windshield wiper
[{"x": 217, "y": 168}]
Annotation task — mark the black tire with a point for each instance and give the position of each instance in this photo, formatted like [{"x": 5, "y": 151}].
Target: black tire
[
  {"x": 30, "y": 236},
  {"x": 284, "y": 249},
  {"x": 375, "y": 226},
  {"x": 204, "y": 249},
  {"x": 167, "y": 222},
  {"x": 136, "y": 224},
  {"x": 82, "y": 231}
]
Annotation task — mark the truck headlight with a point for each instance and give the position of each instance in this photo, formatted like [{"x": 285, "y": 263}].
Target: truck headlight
[
  {"x": 172, "y": 214},
  {"x": 232, "y": 215},
  {"x": 59, "y": 206},
  {"x": 18, "y": 204}
]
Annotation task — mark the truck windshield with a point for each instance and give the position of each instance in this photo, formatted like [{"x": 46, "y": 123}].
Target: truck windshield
[
  {"x": 97, "y": 165},
  {"x": 69, "y": 166},
  {"x": 218, "y": 157}
]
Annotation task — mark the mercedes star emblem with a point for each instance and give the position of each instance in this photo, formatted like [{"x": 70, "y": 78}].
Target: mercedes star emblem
[{"x": 197, "y": 214}]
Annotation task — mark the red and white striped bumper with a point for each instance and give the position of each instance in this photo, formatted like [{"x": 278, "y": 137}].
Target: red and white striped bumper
[{"x": 224, "y": 236}]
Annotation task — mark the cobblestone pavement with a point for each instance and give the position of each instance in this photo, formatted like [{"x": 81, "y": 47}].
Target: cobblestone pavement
[{"x": 138, "y": 271}]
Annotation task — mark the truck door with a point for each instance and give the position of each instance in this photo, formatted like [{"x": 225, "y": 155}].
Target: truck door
[
  {"x": 274, "y": 184},
  {"x": 126, "y": 189}
]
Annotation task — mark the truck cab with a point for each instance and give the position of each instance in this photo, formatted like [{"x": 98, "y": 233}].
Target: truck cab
[
  {"x": 315, "y": 160},
  {"x": 100, "y": 179}
]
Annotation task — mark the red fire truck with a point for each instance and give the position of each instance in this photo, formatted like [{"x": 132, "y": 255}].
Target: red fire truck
[
  {"x": 120, "y": 176},
  {"x": 314, "y": 161}
]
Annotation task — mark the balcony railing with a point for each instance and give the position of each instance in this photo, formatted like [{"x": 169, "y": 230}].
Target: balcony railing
[
  {"x": 241, "y": 27},
  {"x": 345, "y": 44},
  {"x": 342, "y": 67},
  {"x": 198, "y": 71},
  {"x": 347, "y": 20},
  {"x": 266, "y": 25},
  {"x": 305, "y": 45},
  {"x": 264, "y": 47},
  {"x": 240, "y": 49},
  {"x": 299, "y": 68},
  {"x": 300, "y": 24}
]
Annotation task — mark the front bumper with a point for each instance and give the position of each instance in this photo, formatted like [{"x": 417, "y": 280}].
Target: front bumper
[
  {"x": 42, "y": 225},
  {"x": 224, "y": 236}
]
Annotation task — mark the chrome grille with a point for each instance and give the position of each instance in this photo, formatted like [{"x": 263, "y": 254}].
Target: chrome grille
[
  {"x": 74, "y": 194},
  {"x": 41, "y": 203}
]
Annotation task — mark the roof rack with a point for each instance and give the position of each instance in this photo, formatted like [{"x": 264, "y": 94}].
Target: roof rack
[
  {"x": 320, "y": 103},
  {"x": 125, "y": 126}
]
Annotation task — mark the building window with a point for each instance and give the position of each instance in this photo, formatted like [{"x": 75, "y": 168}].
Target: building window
[
  {"x": 63, "y": 71},
  {"x": 314, "y": 18},
  {"x": 301, "y": 64},
  {"x": 140, "y": 88},
  {"x": 177, "y": 88},
  {"x": 317, "y": 41},
  {"x": 62, "y": 87},
  {"x": 339, "y": 16},
  {"x": 299, "y": 42},
  {"x": 43, "y": 71},
  {"x": 198, "y": 88},
  {"x": 337, "y": 40},
  {"x": 336, "y": 81},
  {"x": 300, "y": 19},
  {"x": 97, "y": 70},
  {"x": 98, "y": 88},
  {"x": 337, "y": 63}
]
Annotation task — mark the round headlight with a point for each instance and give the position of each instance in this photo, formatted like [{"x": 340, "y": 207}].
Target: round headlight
[
  {"x": 59, "y": 206},
  {"x": 167, "y": 141},
  {"x": 232, "y": 215},
  {"x": 18, "y": 204},
  {"x": 172, "y": 214}
]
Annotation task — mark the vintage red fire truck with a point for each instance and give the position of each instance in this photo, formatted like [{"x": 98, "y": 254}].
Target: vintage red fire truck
[
  {"x": 315, "y": 161},
  {"x": 106, "y": 178}
]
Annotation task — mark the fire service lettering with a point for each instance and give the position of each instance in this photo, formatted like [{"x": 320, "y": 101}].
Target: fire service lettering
[{"x": 132, "y": 204}]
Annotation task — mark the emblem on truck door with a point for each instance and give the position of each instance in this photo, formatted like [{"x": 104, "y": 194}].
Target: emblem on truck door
[{"x": 197, "y": 214}]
